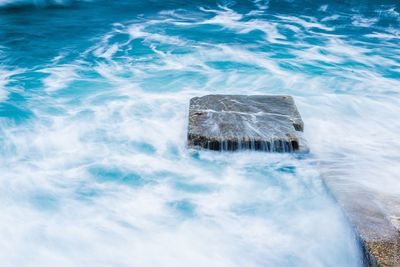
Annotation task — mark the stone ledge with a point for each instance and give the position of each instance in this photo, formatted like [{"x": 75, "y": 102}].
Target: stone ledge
[
  {"x": 237, "y": 122},
  {"x": 369, "y": 215}
]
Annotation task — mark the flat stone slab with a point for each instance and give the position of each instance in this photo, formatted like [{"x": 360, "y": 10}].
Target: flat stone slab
[{"x": 235, "y": 122}]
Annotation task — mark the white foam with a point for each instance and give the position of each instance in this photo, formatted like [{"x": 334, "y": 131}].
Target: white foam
[
  {"x": 330, "y": 18},
  {"x": 137, "y": 31},
  {"x": 361, "y": 21},
  {"x": 230, "y": 19},
  {"x": 59, "y": 76},
  {"x": 306, "y": 22},
  {"x": 383, "y": 35},
  {"x": 323, "y": 8},
  {"x": 5, "y": 79},
  {"x": 390, "y": 11},
  {"x": 261, "y": 4},
  {"x": 204, "y": 209}
]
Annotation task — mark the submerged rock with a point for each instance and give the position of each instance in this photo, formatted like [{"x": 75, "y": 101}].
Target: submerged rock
[{"x": 235, "y": 122}]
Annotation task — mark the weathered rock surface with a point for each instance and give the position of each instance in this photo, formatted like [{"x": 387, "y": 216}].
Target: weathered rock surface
[
  {"x": 370, "y": 214},
  {"x": 235, "y": 122}
]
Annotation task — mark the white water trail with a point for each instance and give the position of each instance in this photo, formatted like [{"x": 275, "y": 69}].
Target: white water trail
[{"x": 102, "y": 175}]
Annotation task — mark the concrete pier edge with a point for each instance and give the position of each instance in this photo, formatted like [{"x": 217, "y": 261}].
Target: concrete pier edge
[{"x": 378, "y": 238}]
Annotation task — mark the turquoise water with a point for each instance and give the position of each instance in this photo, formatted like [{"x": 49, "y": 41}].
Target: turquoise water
[{"x": 94, "y": 95}]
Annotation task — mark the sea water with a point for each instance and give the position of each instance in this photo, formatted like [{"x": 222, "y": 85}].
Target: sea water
[{"x": 94, "y": 168}]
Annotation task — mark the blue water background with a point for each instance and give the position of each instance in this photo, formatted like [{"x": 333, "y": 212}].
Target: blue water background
[{"x": 94, "y": 169}]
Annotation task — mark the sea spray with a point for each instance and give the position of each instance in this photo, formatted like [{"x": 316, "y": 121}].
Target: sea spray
[{"x": 94, "y": 165}]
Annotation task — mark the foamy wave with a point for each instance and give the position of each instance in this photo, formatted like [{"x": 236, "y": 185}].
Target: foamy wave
[
  {"x": 102, "y": 176},
  {"x": 363, "y": 21},
  {"x": 308, "y": 23},
  {"x": 59, "y": 77},
  {"x": 5, "y": 79}
]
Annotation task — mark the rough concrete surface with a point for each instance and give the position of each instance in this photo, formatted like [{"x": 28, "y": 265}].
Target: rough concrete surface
[{"x": 371, "y": 215}]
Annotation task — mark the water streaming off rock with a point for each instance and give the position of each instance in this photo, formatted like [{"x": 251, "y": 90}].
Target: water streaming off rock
[
  {"x": 268, "y": 123},
  {"x": 94, "y": 100}
]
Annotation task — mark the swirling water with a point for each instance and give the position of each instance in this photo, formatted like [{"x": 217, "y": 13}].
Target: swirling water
[{"x": 93, "y": 115}]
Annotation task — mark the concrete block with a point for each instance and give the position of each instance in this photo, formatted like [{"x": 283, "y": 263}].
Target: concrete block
[{"x": 236, "y": 122}]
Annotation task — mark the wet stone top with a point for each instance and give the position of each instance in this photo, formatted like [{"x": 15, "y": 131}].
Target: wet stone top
[{"x": 234, "y": 122}]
